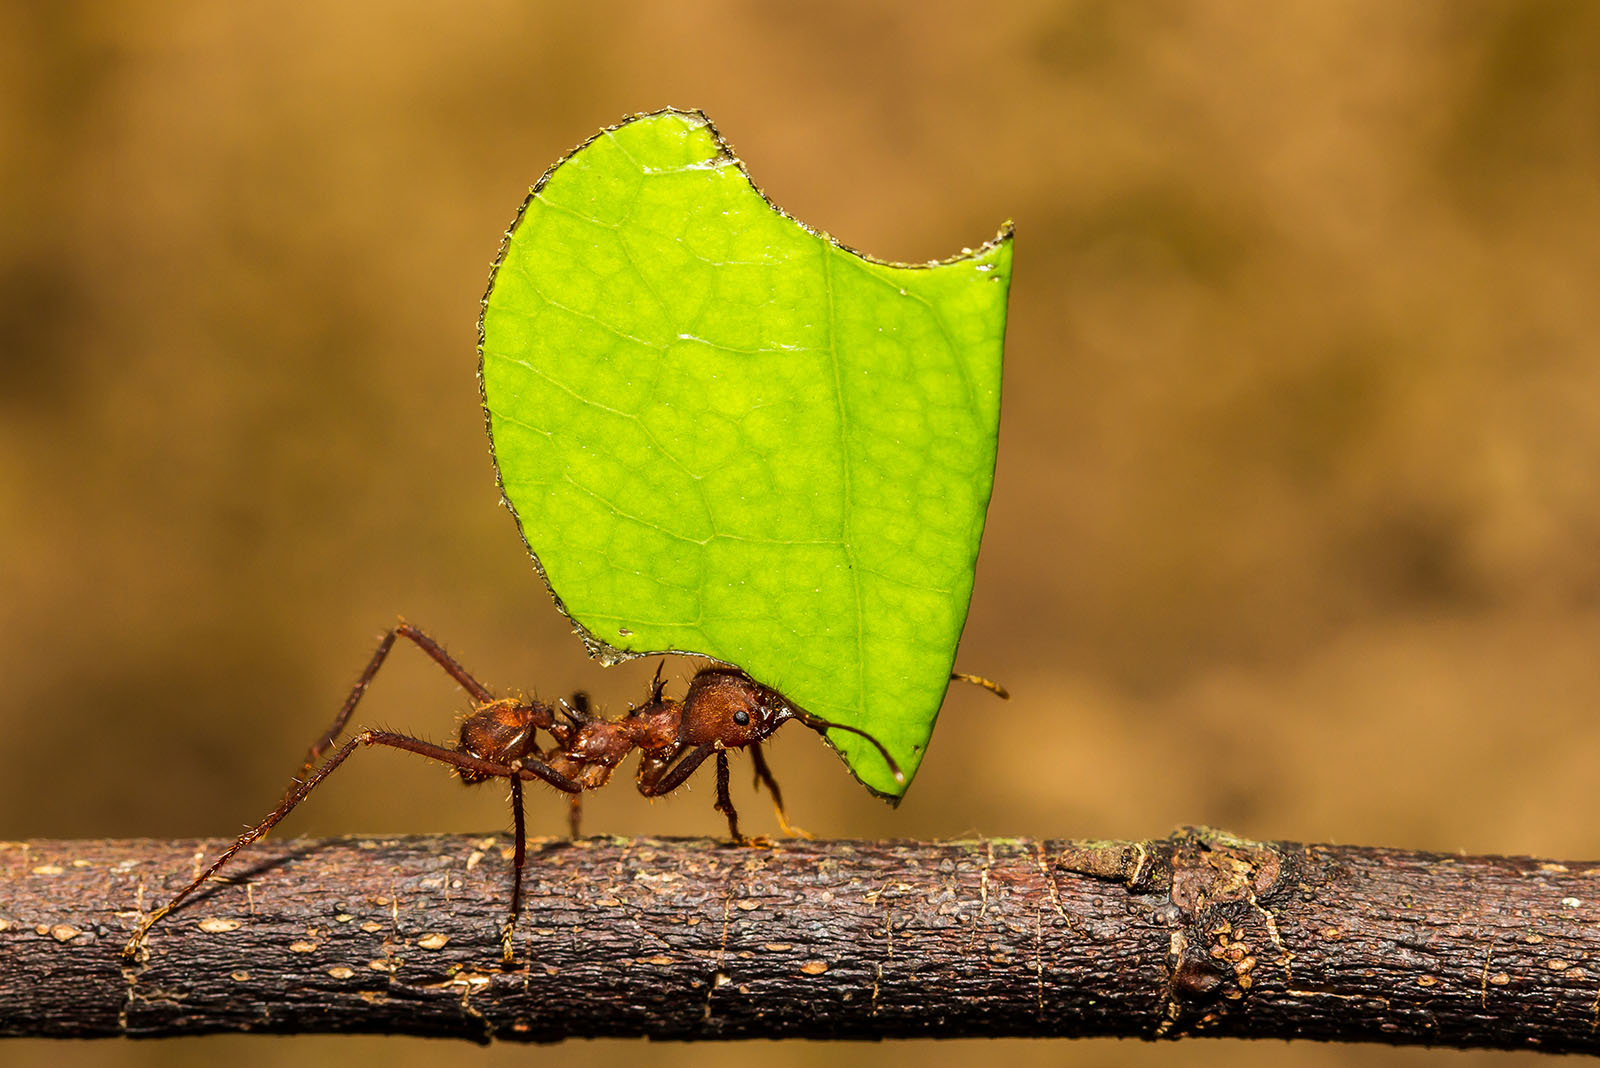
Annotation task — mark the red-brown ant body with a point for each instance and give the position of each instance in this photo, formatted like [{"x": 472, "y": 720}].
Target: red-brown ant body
[{"x": 723, "y": 709}]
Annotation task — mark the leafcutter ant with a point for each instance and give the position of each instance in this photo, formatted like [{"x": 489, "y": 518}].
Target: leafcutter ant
[{"x": 723, "y": 709}]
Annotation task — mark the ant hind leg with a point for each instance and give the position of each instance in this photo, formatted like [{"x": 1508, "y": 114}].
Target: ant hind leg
[
  {"x": 303, "y": 788},
  {"x": 480, "y": 693},
  {"x": 296, "y": 794},
  {"x": 520, "y": 856}
]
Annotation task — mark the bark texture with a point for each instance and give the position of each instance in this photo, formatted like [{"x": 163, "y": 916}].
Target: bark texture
[{"x": 1197, "y": 934}]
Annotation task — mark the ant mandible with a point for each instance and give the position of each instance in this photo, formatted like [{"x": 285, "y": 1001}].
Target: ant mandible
[{"x": 723, "y": 709}]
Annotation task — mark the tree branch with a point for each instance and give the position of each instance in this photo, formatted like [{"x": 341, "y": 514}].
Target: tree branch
[{"x": 1199, "y": 933}]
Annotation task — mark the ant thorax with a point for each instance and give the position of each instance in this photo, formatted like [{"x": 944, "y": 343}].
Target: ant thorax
[{"x": 589, "y": 748}]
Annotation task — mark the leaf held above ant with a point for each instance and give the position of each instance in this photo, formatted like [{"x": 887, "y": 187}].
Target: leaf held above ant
[{"x": 723, "y": 433}]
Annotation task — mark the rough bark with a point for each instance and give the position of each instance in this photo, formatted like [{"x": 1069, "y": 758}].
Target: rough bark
[{"x": 1196, "y": 934}]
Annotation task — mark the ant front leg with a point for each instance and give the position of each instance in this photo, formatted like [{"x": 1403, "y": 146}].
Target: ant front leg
[
  {"x": 663, "y": 774},
  {"x": 725, "y": 799},
  {"x": 764, "y": 778}
]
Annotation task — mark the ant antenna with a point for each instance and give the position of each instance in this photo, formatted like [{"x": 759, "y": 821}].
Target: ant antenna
[
  {"x": 818, "y": 724},
  {"x": 978, "y": 680}
]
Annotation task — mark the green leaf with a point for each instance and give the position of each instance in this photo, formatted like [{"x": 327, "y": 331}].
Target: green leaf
[{"x": 723, "y": 433}]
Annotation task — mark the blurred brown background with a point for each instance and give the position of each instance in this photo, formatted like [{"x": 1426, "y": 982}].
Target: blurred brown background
[{"x": 1298, "y": 509}]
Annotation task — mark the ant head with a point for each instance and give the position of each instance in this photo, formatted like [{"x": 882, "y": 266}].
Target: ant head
[{"x": 727, "y": 706}]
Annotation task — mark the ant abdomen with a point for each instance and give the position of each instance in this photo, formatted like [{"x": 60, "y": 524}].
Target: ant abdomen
[{"x": 500, "y": 731}]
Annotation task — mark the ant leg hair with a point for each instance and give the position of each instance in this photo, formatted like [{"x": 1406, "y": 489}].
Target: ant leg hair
[
  {"x": 978, "y": 680},
  {"x": 478, "y": 690},
  {"x": 521, "y": 855},
  {"x": 303, "y": 788},
  {"x": 673, "y": 775},
  {"x": 764, "y": 778},
  {"x": 724, "y": 803}
]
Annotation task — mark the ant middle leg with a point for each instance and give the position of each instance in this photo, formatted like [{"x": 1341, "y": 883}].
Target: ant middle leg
[
  {"x": 578, "y": 706},
  {"x": 480, "y": 693}
]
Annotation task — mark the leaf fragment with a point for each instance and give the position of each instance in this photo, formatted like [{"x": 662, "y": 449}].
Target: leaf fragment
[{"x": 723, "y": 433}]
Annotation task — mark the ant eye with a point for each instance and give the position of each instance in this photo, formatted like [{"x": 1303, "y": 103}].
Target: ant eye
[{"x": 741, "y": 717}]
